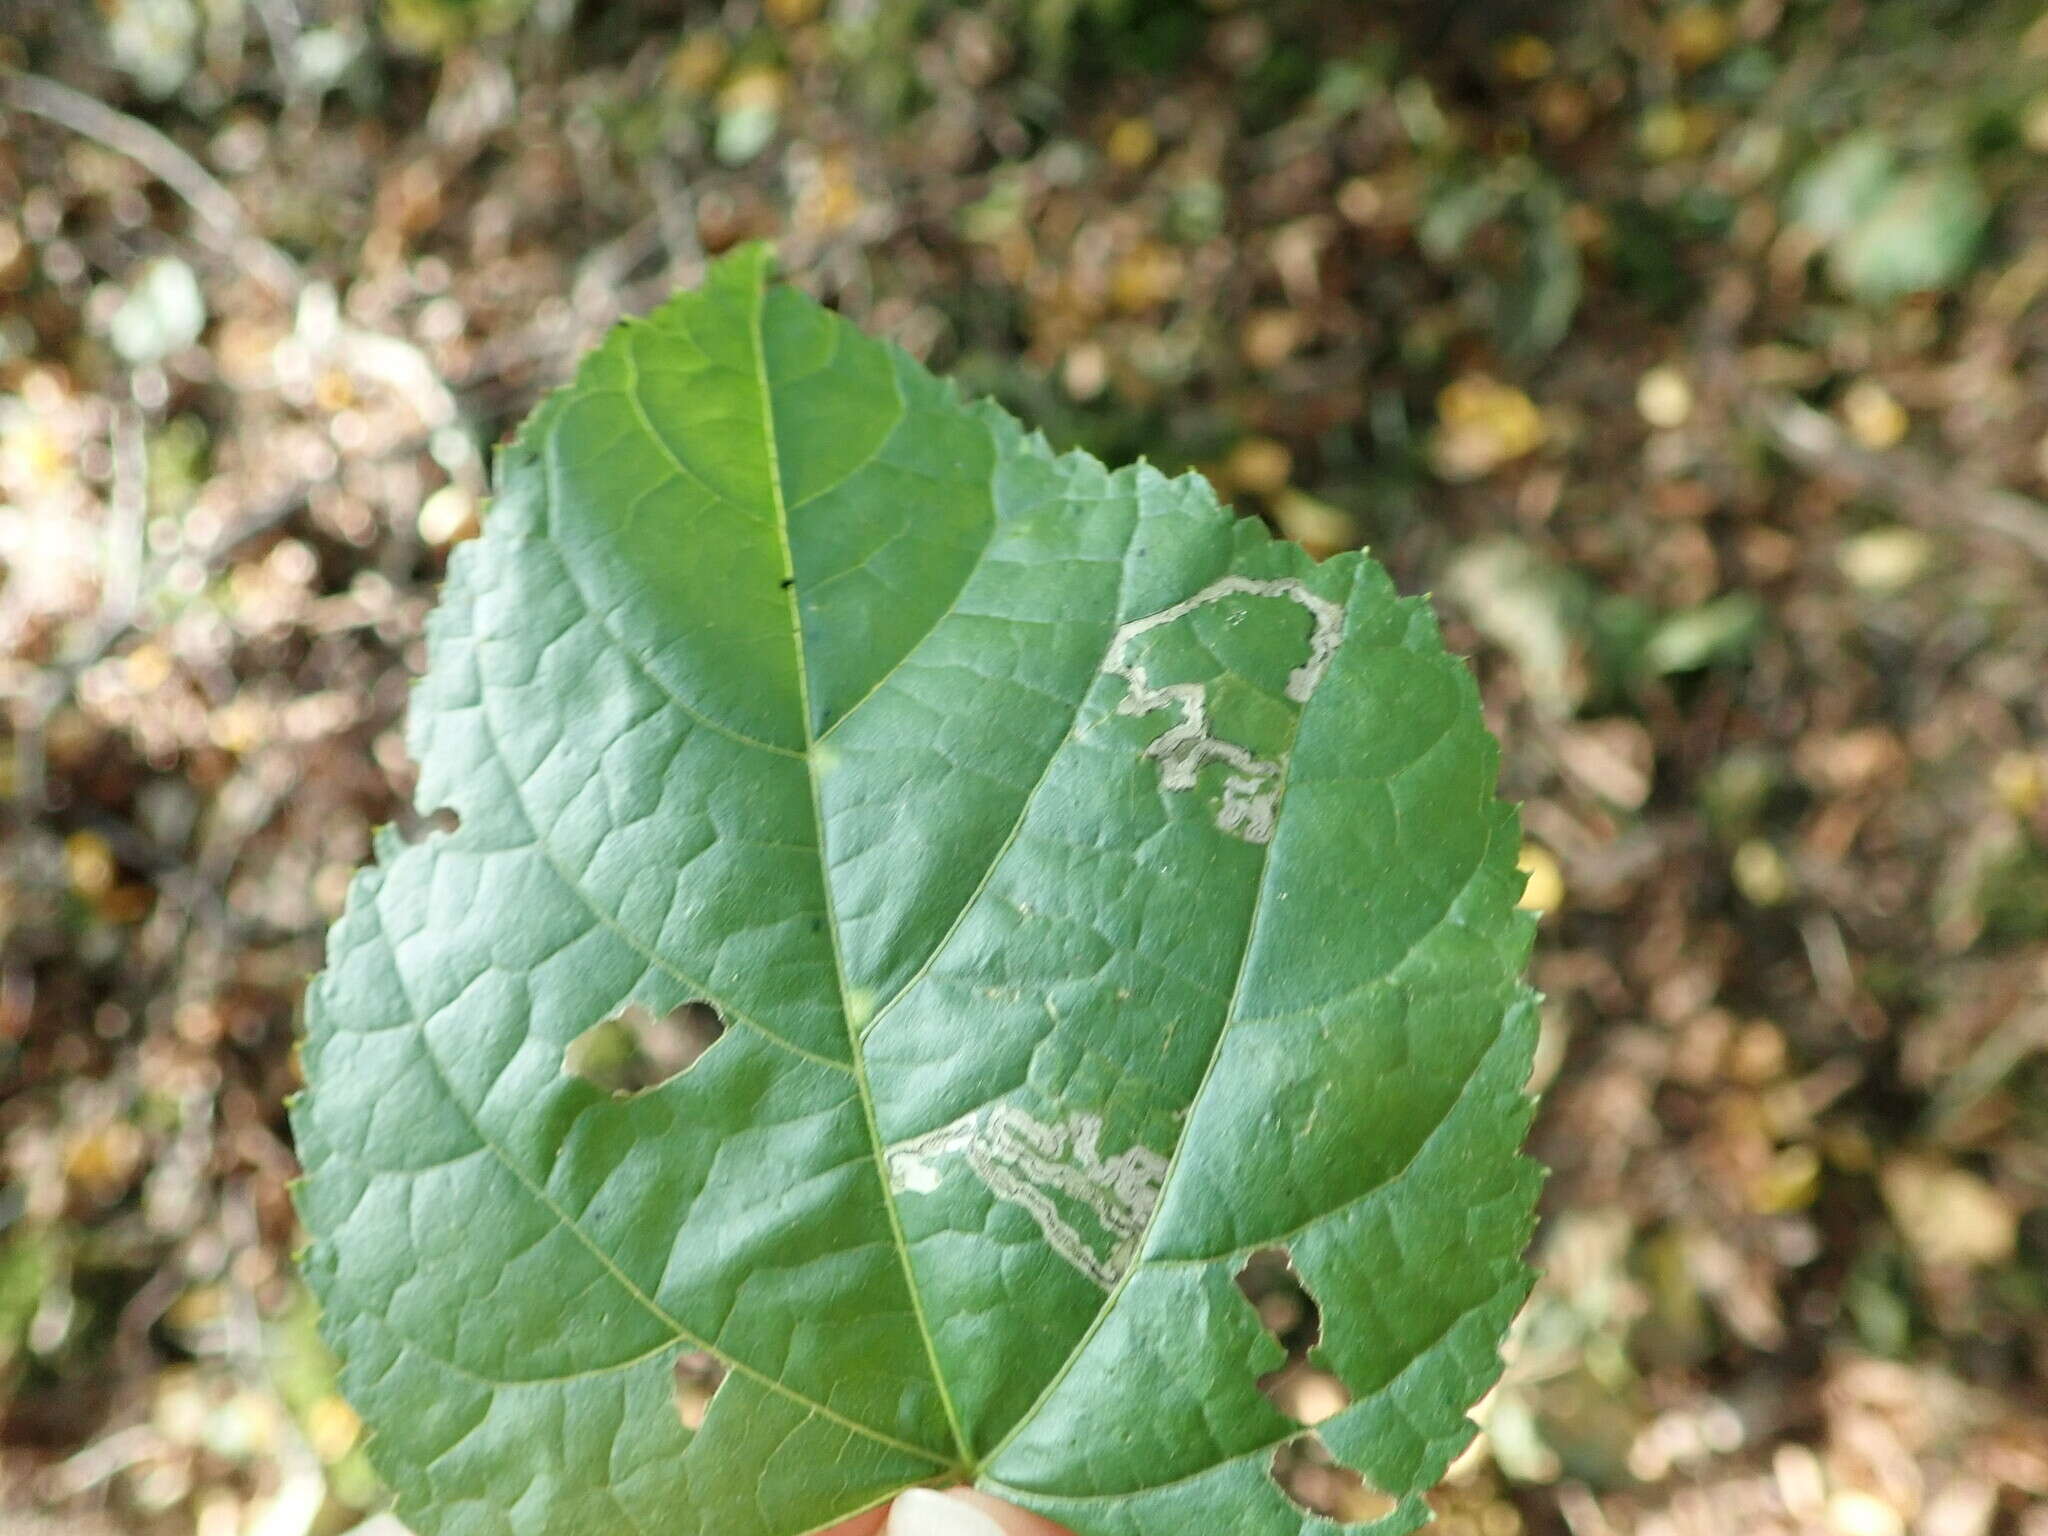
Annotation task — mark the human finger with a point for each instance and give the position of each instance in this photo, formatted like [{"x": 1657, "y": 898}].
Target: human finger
[{"x": 955, "y": 1512}]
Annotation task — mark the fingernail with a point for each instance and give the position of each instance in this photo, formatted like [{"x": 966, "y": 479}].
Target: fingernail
[{"x": 921, "y": 1512}]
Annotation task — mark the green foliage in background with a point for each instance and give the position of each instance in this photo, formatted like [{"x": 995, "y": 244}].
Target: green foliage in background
[
  {"x": 1095, "y": 892},
  {"x": 437, "y": 26},
  {"x": 1890, "y": 230}
]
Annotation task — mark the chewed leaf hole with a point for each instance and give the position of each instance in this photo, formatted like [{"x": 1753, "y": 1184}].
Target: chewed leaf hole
[
  {"x": 1312, "y": 1478},
  {"x": 633, "y": 1051},
  {"x": 697, "y": 1379},
  {"x": 1306, "y": 1393},
  {"x": 415, "y": 828},
  {"x": 1270, "y": 1283}
]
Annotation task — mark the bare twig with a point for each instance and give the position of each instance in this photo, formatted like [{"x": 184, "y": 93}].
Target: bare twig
[
  {"x": 1828, "y": 957},
  {"x": 676, "y": 215},
  {"x": 1910, "y": 482},
  {"x": 282, "y": 26},
  {"x": 104, "y": 1459},
  {"x": 2017, "y": 1037},
  {"x": 128, "y": 511},
  {"x": 391, "y": 360},
  {"x": 125, "y": 135},
  {"x": 293, "y": 1508}
]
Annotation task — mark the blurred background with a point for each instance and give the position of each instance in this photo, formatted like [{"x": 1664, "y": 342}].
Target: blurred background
[{"x": 1694, "y": 353}]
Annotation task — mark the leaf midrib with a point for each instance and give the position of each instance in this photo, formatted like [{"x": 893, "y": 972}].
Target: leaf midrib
[{"x": 878, "y": 1152}]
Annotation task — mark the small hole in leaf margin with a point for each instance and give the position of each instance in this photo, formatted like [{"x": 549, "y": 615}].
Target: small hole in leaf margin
[
  {"x": 634, "y": 1051},
  {"x": 698, "y": 1376},
  {"x": 1316, "y": 1481},
  {"x": 415, "y": 828},
  {"x": 1302, "y": 1466}
]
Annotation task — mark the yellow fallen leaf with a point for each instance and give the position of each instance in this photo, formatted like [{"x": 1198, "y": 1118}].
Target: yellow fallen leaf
[
  {"x": 1664, "y": 398},
  {"x": 102, "y": 1161},
  {"x": 2019, "y": 783},
  {"x": 1885, "y": 560},
  {"x": 332, "y": 1428},
  {"x": 1148, "y": 276},
  {"x": 699, "y": 59},
  {"x": 1526, "y": 57},
  {"x": 1875, "y": 419},
  {"x": 1852, "y": 1512},
  {"x": 756, "y": 89},
  {"x": 1483, "y": 424},
  {"x": 2034, "y": 125},
  {"x": 1259, "y": 465},
  {"x": 1788, "y": 1184},
  {"x": 1947, "y": 1215},
  {"x": 448, "y": 516},
  {"x": 90, "y": 864},
  {"x": 1697, "y": 35},
  {"x": 1760, "y": 873},
  {"x": 1314, "y": 524},
  {"x": 1664, "y": 132},
  {"x": 1544, "y": 890},
  {"x": 1131, "y": 144},
  {"x": 147, "y": 668}
]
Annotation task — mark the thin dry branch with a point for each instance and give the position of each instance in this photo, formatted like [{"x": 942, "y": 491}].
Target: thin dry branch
[
  {"x": 215, "y": 205},
  {"x": 1921, "y": 492}
]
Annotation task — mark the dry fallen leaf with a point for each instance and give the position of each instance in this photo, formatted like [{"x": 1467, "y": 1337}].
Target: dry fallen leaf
[
  {"x": 1482, "y": 425},
  {"x": 1947, "y": 1215}
]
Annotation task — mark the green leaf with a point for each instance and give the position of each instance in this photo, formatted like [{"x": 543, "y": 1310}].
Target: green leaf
[
  {"x": 1721, "y": 629},
  {"x": 1921, "y": 237},
  {"x": 1093, "y": 891},
  {"x": 1838, "y": 191},
  {"x": 1534, "y": 608},
  {"x": 1890, "y": 232}
]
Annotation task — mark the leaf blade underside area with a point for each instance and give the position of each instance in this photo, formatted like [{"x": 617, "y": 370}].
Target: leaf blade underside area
[{"x": 1093, "y": 890}]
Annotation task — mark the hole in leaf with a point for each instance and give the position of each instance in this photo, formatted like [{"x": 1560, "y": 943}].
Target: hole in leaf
[
  {"x": 415, "y": 828},
  {"x": 1306, "y": 1393},
  {"x": 1312, "y": 1478},
  {"x": 697, "y": 1379},
  {"x": 633, "y": 1051},
  {"x": 1303, "y": 1466},
  {"x": 1270, "y": 1283}
]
